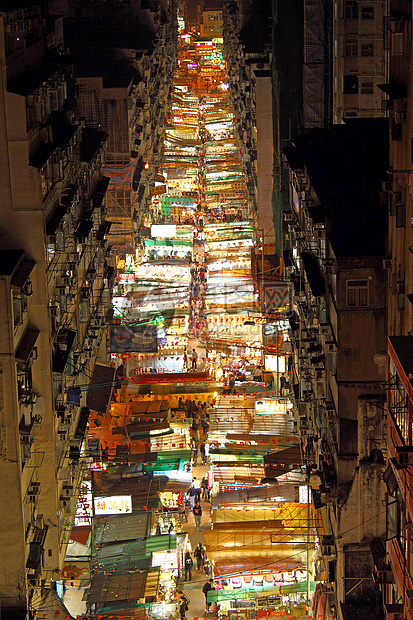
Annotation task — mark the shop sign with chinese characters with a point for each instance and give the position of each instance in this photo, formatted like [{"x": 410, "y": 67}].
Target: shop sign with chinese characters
[
  {"x": 114, "y": 505},
  {"x": 126, "y": 278},
  {"x": 84, "y": 510}
]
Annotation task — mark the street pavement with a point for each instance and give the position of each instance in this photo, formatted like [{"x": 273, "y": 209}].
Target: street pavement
[{"x": 193, "y": 589}]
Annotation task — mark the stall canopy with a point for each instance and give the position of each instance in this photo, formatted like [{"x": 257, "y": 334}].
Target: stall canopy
[
  {"x": 123, "y": 587},
  {"x": 278, "y": 463},
  {"x": 122, "y": 527},
  {"x": 250, "y": 593},
  {"x": 133, "y": 555}
]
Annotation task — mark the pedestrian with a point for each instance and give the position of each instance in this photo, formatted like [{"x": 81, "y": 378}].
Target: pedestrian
[
  {"x": 232, "y": 385},
  {"x": 197, "y": 489},
  {"x": 183, "y": 605},
  {"x": 181, "y": 405},
  {"x": 195, "y": 428},
  {"x": 191, "y": 495},
  {"x": 208, "y": 586},
  {"x": 188, "y": 566},
  {"x": 194, "y": 452},
  {"x": 207, "y": 567},
  {"x": 194, "y": 359},
  {"x": 197, "y": 514},
  {"x": 206, "y": 452},
  {"x": 199, "y": 556},
  {"x": 204, "y": 425},
  {"x": 204, "y": 483},
  {"x": 202, "y": 450}
]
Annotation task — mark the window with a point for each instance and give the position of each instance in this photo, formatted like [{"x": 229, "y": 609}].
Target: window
[
  {"x": 357, "y": 293},
  {"x": 116, "y": 229},
  {"x": 400, "y": 215},
  {"x": 367, "y": 49},
  {"x": 350, "y": 85},
  {"x": 366, "y": 88},
  {"x": 351, "y": 113},
  {"x": 367, "y": 12},
  {"x": 395, "y": 518},
  {"x": 350, "y": 46},
  {"x": 351, "y": 9}
]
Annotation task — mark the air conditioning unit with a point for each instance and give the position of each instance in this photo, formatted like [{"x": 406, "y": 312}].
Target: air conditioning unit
[
  {"x": 55, "y": 311},
  {"x": 331, "y": 347},
  {"x": 400, "y": 117},
  {"x": 329, "y": 265},
  {"x": 64, "y": 501},
  {"x": 383, "y": 575},
  {"x": 394, "y": 611},
  {"x": 62, "y": 434},
  {"x": 325, "y": 330},
  {"x": 404, "y": 456},
  {"x": 327, "y": 546},
  {"x": 288, "y": 217},
  {"x": 318, "y": 233},
  {"x": 39, "y": 522},
  {"x": 320, "y": 390},
  {"x": 400, "y": 288}
]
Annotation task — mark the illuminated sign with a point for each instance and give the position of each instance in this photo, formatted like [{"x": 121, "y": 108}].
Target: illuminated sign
[
  {"x": 168, "y": 559},
  {"x": 268, "y": 406},
  {"x": 159, "y": 189},
  {"x": 84, "y": 512},
  {"x": 163, "y": 230},
  {"x": 275, "y": 363},
  {"x": 114, "y": 505},
  {"x": 126, "y": 278}
]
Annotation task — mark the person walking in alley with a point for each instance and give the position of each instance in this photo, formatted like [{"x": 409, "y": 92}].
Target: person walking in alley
[
  {"x": 197, "y": 488},
  {"x": 194, "y": 359},
  {"x": 188, "y": 566},
  {"x": 199, "y": 556},
  {"x": 202, "y": 450},
  {"x": 183, "y": 605},
  {"x": 198, "y": 515},
  {"x": 191, "y": 495},
  {"x": 194, "y": 452},
  {"x": 208, "y": 586}
]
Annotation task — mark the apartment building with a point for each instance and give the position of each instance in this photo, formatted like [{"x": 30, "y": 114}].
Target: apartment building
[
  {"x": 395, "y": 573},
  {"x": 249, "y": 60},
  {"x": 55, "y": 277},
  {"x": 124, "y": 78},
  {"x": 359, "y": 55},
  {"x": 334, "y": 235}
]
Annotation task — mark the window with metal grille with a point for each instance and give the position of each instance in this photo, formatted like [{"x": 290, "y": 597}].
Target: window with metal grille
[
  {"x": 367, "y": 12},
  {"x": 351, "y": 9},
  {"x": 357, "y": 294},
  {"x": 350, "y": 46},
  {"x": 366, "y": 88},
  {"x": 350, "y": 84},
  {"x": 367, "y": 49}
]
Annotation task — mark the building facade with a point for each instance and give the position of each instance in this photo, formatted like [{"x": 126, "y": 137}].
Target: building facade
[
  {"x": 55, "y": 278},
  {"x": 338, "y": 332}
]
